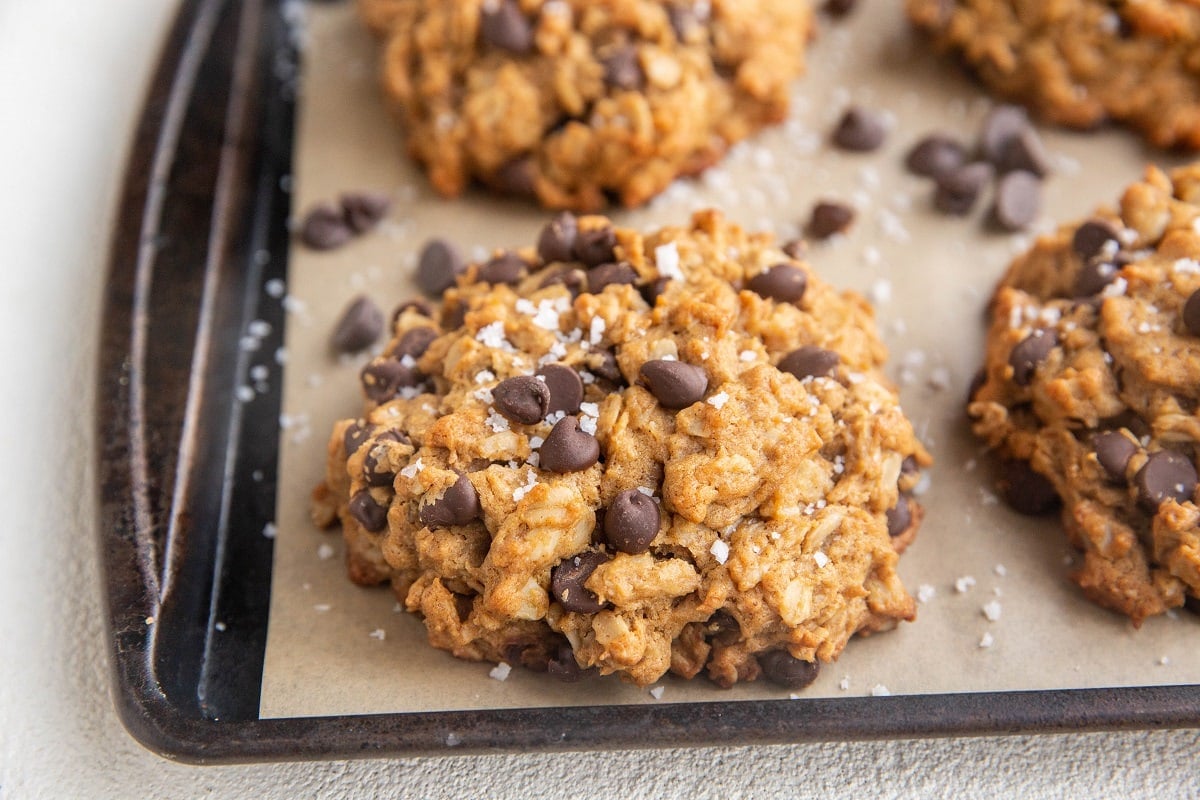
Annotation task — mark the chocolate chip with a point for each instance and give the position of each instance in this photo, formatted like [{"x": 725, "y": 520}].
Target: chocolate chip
[
  {"x": 376, "y": 476},
  {"x": 622, "y": 70},
  {"x": 573, "y": 279},
  {"x": 783, "y": 282},
  {"x": 567, "y": 581},
  {"x": 422, "y": 307},
  {"x": 437, "y": 267},
  {"x": 859, "y": 130},
  {"x": 504, "y": 26},
  {"x": 673, "y": 383},
  {"x": 1166, "y": 475},
  {"x": 810, "y": 361},
  {"x": 935, "y": 155},
  {"x": 1026, "y": 491},
  {"x": 796, "y": 248},
  {"x": 1090, "y": 238},
  {"x": 654, "y": 290},
  {"x": 899, "y": 517},
  {"x": 516, "y": 177},
  {"x": 957, "y": 191},
  {"x": 566, "y": 388},
  {"x": 596, "y": 246},
  {"x": 557, "y": 239},
  {"x": 458, "y": 505},
  {"x": 604, "y": 365},
  {"x": 356, "y": 433},
  {"x": 839, "y": 8},
  {"x": 1031, "y": 351},
  {"x": 568, "y": 449},
  {"x": 1002, "y": 124},
  {"x": 507, "y": 268},
  {"x": 453, "y": 316},
  {"x": 780, "y": 667},
  {"x": 563, "y": 666},
  {"x": 631, "y": 522},
  {"x": 829, "y": 218},
  {"x": 384, "y": 378},
  {"x": 909, "y": 466},
  {"x": 522, "y": 399},
  {"x": 1018, "y": 200},
  {"x": 610, "y": 275},
  {"x": 324, "y": 228},
  {"x": 1093, "y": 277},
  {"x": 1191, "y": 313},
  {"x": 359, "y": 327},
  {"x": 415, "y": 342},
  {"x": 1113, "y": 451},
  {"x": 1192, "y": 603},
  {"x": 723, "y": 629},
  {"x": 366, "y": 512},
  {"x": 1026, "y": 152},
  {"x": 364, "y": 210}
]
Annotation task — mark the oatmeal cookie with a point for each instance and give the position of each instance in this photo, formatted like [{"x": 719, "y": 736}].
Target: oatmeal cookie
[
  {"x": 1091, "y": 389},
  {"x": 581, "y": 102},
  {"x": 639, "y": 454},
  {"x": 1081, "y": 62}
]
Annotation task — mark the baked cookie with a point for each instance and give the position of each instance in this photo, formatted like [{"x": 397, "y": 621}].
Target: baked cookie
[
  {"x": 639, "y": 454},
  {"x": 1081, "y": 62},
  {"x": 1092, "y": 389},
  {"x": 579, "y": 103}
]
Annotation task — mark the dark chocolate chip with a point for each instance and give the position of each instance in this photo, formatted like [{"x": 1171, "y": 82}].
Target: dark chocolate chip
[
  {"x": 839, "y": 8},
  {"x": 1002, "y": 124},
  {"x": 573, "y": 279},
  {"x": 1166, "y": 475},
  {"x": 899, "y": 517},
  {"x": 506, "y": 27},
  {"x": 384, "y": 378},
  {"x": 935, "y": 155},
  {"x": 810, "y": 361},
  {"x": 654, "y": 290},
  {"x": 453, "y": 316},
  {"x": 1113, "y": 451},
  {"x": 374, "y": 475},
  {"x": 829, "y": 218},
  {"x": 508, "y": 268},
  {"x": 957, "y": 191},
  {"x": 1026, "y": 491},
  {"x": 1018, "y": 200},
  {"x": 1192, "y": 603},
  {"x": 859, "y": 130},
  {"x": 610, "y": 275},
  {"x": 1093, "y": 277},
  {"x": 359, "y": 327},
  {"x": 324, "y": 228},
  {"x": 723, "y": 629},
  {"x": 622, "y": 70},
  {"x": 516, "y": 177},
  {"x": 596, "y": 246},
  {"x": 909, "y": 466},
  {"x": 780, "y": 667},
  {"x": 604, "y": 365},
  {"x": 523, "y": 399},
  {"x": 356, "y": 433},
  {"x": 415, "y": 342},
  {"x": 567, "y": 580},
  {"x": 1029, "y": 352},
  {"x": 364, "y": 210},
  {"x": 631, "y": 522},
  {"x": 1026, "y": 152},
  {"x": 566, "y": 388},
  {"x": 1090, "y": 238},
  {"x": 568, "y": 449},
  {"x": 673, "y": 383},
  {"x": 1191, "y": 313},
  {"x": 458, "y": 505},
  {"x": 783, "y": 282},
  {"x": 557, "y": 239},
  {"x": 437, "y": 267},
  {"x": 422, "y": 307},
  {"x": 366, "y": 512},
  {"x": 563, "y": 666}
]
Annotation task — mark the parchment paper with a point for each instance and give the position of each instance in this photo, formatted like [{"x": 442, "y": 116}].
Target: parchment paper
[{"x": 334, "y": 648}]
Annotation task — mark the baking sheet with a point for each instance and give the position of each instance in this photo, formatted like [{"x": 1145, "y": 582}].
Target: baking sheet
[{"x": 335, "y": 649}]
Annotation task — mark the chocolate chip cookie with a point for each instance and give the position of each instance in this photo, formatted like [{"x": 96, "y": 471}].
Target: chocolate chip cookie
[
  {"x": 633, "y": 454},
  {"x": 1091, "y": 390},
  {"x": 578, "y": 103},
  {"x": 1082, "y": 62}
]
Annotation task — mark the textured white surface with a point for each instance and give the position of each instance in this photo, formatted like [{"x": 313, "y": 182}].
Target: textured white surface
[{"x": 71, "y": 80}]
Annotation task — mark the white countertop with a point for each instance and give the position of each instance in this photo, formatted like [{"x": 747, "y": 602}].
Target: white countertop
[{"x": 72, "y": 77}]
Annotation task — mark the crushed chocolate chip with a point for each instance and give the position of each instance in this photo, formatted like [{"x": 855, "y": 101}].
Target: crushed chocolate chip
[
  {"x": 366, "y": 512},
  {"x": 810, "y": 361},
  {"x": 567, "y": 580},
  {"x": 1026, "y": 492},
  {"x": 596, "y": 246},
  {"x": 781, "y": 668},
  {"x": 935, "y": 155},
  {"x": 507, "y": 268},
  {"x": 1090, "y": 238},
  {"x": 437, "y": 266},
  {"x": 622, "y": 69},
  {"x": 359, "y": 326},
  {"x": 957, "y": 190},
  {"x": 415, "y": 342},
  {"x": 674, "y": 384},
  {"x": 566, "y": 388},
  {"x": 1113, "y": 451},
  {"x": 556, "y": 242},
  {"x": 631, "y": 522},
  {"x": 523, "y": 399},
  {"x": 383, "y": 379},
  {"x": 783, "y": 282},
  {"x": 364, "y": 210},
  {"x": 1029, "y": 352},
  {"x": 829, "y": 218},
  {"x": 569, "y": 449},
  {"x": 506, "y": 27},
  {"x": 621, "y": 274},
  {"x": 653, "y": 290},
  {"x": 899, "y": 517},
  {"x": 325, "y": 228},
  {"x": 1018, "y": 200},
  {"x": 458, "y": 505},
  {"x": 356, "y": 433},
  {"x": 1166, "y": 475},
  {"x": 859, "y": 131},
  {"x": 1191, "y": 313}
]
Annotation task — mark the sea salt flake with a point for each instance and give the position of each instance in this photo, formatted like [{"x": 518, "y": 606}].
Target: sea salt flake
[
  {"x": 657, "y": 692},
  {"x": 821, "y": 559},
  {"x": 378, "y": 634},
  {"x": 666, "y": 259},
  {"x": 496, "y": 421},
  {"x": 720, "y": 551},
  {"x": 500, "y": 672},
  {"x": 484, "y": 376},
  {"x": 220, "y": 626},
  {"x": 596, "y": 330},
  {"x": 1162, "y": 662},
  {"x": 925, "y": 593},
  {"x": 269, "y": 530},
  {"x": 844, "y": 683},
  {"x": 747, "y": 355},
  {"x": 1188, "y": 266},
  {"x": 1000, "y": 570},
  {"x": 879, "y": 690},
  {"x": 987, "y": 640},
  {"x": 413, "y": 469},
  {"x": 992, "y": 611},
  {"x": 964, "y": 584},
  {"x": 718, "y": 400},
  {"x": 321, "y": 608},
  {"x": 274, "y": 288},
  {"x": 530, "y": 481},
  {"x": 325, "y": 552}
]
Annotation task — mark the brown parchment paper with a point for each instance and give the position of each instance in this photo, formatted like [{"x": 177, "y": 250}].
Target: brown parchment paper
[{"x": 334, "y": 648}]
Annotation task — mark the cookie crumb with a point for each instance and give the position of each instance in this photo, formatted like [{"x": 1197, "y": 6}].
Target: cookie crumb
[{"x": 500, "y": 672}]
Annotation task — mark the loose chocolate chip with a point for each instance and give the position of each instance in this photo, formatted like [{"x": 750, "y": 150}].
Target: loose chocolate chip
[
  {"x": 622, "y": 70},
  {"x": 359, "y": 327},
  {"x": 504, "y": 26},
  {"x": 563, "y": 666},
  {"x": 631, "y": 522},
  {"x": 935, "y": 155},
  {"x": 516, "y": 177},
  {"x": 809, "y": 361},
  {"x": 522, "y": 399},
  {"x": 783, "y": 282},
  {"x": 1090, "y": 238},
  {"x": 384, "y": 378},
  {"x": 437, "y": 267},
  {"x": 505, "y": 268},
  {"x": 567, "y": 580},
  {"x": 673, "y": 383},
  {"x": 1031, "y": 351},
  {"x": 859, "y": 130},
  {"x": 899, "y": 517},
  {"x": 610, "y": 275},
  {"x": 596, "y": 246},
  {"x": 1093, "y": 277},
  {"x": 791, "y": 673},
  {"x": 654, "y": 290},
  {"x": 568, "y": 449},
  {"x": 366, "y": 512},
  {"x": 829, "y": 218},
  {"x": 1191, "y": 313},
  {"x": 1002, "y": 124},
  {"x": 1018, "y": 200},
  {"x": 1113, "y": 451},
  {"x": 324, "y": 228},
  {"x": 566, "y": 388},
  {"x": 557, "y": 239},
  {"x": 572, "y": 279},
  {"x": 458, "y": 505},
  {"x": 604, "y": 365},
  {"x": 839, "y": 8},
  {"x": 415, "y": 342},
  {"x": 957, "y": 191},
  {"x": 1167, "y": 475},
  {"x": 364, "y": 210},
  {"x": 356, "y": 433},
  {"x": 1026, "y": 152},
  {"x": 422, "y": 307},
  {"x": 1026, "y": 491}
]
